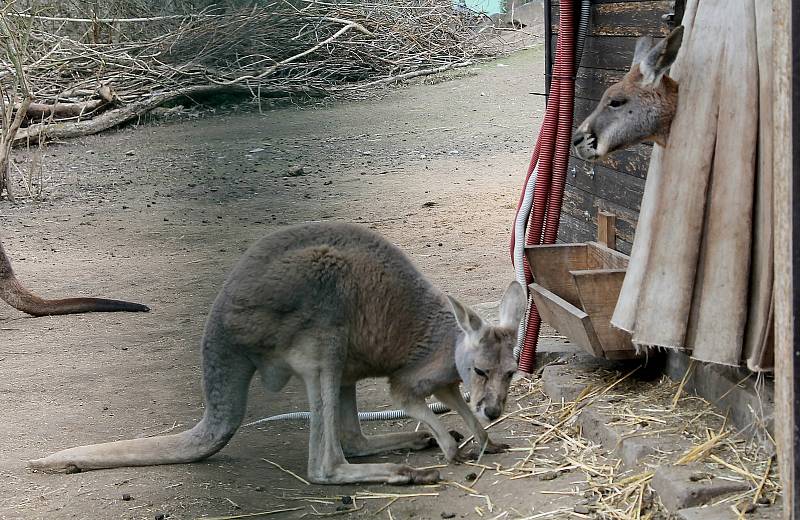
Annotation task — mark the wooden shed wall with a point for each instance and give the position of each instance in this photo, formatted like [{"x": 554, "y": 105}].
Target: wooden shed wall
[{"x": 615, "y": 184}]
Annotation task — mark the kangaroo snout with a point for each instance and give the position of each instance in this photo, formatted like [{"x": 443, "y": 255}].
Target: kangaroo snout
[
  {"x": 492, "y": 412},
  {"x": 584, "y": 144}
]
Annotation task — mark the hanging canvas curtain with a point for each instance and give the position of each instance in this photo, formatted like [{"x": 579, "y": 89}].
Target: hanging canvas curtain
[{"x": 700, "y": 275}]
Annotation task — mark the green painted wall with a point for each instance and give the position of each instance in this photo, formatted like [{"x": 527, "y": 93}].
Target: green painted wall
[{"x": 484, "y": 6}]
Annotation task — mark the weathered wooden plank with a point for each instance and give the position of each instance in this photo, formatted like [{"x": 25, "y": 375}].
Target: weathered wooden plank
[
  {"x": 598, "y": 290},
  {"x": 605, "y": 52},
  {"x": 566, "y": 319},
  {"x": 606, "y": 229},
  {"x": 591, "y": 83},
  {"x": 613, "y": 186},
  {"x": 625, "y": 18},
  {"x": 572, "y": 230},
  {"x": 584, "y": 206},
  {"x": 601, "y": 257},
  {"x": 787, "y": 405},
  {"x": 633, "y": 161},
  {"x": 550, "y": 266}
]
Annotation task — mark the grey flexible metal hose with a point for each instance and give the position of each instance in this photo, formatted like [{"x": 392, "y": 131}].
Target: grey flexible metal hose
[
  {"x": 583, "y": 29},
  {"x": 386, "y": 415}
]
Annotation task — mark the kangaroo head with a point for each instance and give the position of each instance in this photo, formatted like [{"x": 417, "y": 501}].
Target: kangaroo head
[
  {"x": 485, "y": 353},
  {"x": 638, "y": 108}
]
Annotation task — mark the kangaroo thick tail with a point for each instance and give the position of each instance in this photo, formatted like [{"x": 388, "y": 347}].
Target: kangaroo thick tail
[
  {"x": 200, "y": 442},
  {"x": 21, "y": 299},
  {"x": 16, "y": 295},
  {"x": 226, "y": 379}
]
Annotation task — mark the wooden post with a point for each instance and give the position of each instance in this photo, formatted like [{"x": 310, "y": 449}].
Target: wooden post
[
  {"x": 607, "y": 229},
  {"x": 786, "y": 205}
]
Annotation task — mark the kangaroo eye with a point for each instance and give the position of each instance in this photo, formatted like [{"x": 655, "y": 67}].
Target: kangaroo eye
[
  {"x": 479, "y": 372},
  {"x": 509, "y": 375},
  {"x": 616, "y": 103}
]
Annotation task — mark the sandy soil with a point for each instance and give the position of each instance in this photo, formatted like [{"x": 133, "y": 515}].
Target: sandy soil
[{"x": 158, "y": 213}]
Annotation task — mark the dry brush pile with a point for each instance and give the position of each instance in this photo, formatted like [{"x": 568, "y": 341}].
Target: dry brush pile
[{"x": 85, "y": 75}]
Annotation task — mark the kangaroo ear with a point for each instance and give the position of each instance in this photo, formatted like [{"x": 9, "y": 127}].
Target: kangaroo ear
[
  {"x": 656, "y": 62},
  {"x": 467, "y": 319},
  {"x": 512, "y": 306},
  {"x": 643, "y": 46}
]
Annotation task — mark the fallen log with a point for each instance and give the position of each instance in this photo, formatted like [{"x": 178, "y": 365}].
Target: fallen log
[
  {"x": 59, "y": 110},
  {"x": 111, "y": 118}
]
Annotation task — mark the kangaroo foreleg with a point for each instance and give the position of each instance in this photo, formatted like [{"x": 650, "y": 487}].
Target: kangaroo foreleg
[
  {"x": 416, "y": 408},
  {"x": 451, "y": 396},
  {"x": 356, "y": 444}
]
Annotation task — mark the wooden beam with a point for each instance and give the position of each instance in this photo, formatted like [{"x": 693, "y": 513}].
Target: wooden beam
[
  {"x": 607, "y": 229},
  {"x": 786, "y": 265}
]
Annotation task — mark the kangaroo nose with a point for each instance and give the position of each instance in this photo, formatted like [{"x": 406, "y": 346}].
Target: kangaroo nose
[
  {"x": 578, "y": 138},
  {"x": 492, "y": 412}
]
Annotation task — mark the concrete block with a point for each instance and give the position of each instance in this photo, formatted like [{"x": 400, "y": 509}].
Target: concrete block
[
  {"x": 594, "y": 426},
  {"x": 682, "y": 487},
  {"x": 566, "y": 381},
  {"x": 560, "y": 384},
  {"x": 634, "y": 450},
  {"x": 733, "y": 391}
]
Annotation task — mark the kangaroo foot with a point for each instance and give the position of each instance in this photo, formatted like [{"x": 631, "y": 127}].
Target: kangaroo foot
[
  {"x": 473, "y": 450},
  {"x": 411, "y": 476}
]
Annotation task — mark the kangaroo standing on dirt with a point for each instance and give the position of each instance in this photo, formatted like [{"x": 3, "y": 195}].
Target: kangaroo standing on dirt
[
  {"x": 16, "y": 295},
  {"x": 333, "y": 304}
]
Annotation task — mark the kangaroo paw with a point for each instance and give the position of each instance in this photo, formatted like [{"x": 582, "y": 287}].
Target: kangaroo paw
[
  {"x": 410, "y": 476},
  {"x": 473, "y": 450},
  {"x": 425, "y": 442},
  {"x": 466, "y": 454},
  {"x": 496, "y": 447}
]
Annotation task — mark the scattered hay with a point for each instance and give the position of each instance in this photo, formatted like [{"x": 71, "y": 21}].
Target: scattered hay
[{"x": 549, "y": 443}]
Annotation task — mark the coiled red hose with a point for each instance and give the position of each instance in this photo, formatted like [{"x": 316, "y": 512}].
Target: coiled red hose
[{"x": 549, "y": 160}]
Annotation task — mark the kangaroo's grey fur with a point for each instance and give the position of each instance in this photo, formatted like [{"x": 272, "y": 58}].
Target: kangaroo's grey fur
[{"x": 333, "y": 304}]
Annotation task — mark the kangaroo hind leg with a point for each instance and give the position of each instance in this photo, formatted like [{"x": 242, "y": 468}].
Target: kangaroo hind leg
[{"x": 326, "y": 461}]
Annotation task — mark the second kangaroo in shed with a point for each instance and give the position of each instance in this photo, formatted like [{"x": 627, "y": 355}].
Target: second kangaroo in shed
[
  {"x": 638, "y": 108},
  {"x": 333, "y": 304}
]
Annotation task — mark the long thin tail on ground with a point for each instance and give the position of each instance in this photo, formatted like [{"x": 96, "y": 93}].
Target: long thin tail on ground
[{"x": 16, "y": 295}]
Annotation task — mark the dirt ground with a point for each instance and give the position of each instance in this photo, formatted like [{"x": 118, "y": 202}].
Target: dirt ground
[{"x": 159, "y": 212}]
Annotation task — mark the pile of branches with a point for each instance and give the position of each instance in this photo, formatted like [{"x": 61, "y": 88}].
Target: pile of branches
[{"x": 89, "y": 74}]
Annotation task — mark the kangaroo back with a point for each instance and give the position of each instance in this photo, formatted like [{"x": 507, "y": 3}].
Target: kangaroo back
[{"x": 326, "y": 277}]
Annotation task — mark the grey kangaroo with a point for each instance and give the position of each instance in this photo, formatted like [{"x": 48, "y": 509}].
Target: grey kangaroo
[{"x": 333, "y": 304}]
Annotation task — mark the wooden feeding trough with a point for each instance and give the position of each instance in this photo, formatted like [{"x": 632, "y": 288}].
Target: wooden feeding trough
[{"x": 575, "y": 289}]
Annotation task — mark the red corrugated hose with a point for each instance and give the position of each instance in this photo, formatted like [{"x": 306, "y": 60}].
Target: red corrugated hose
[{"x": 549, "y": 162}]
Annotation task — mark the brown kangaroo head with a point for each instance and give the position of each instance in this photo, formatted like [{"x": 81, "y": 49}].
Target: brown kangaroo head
[
  {"x": 638, "y": 108},
  {"x": 485, "y": 353}
]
